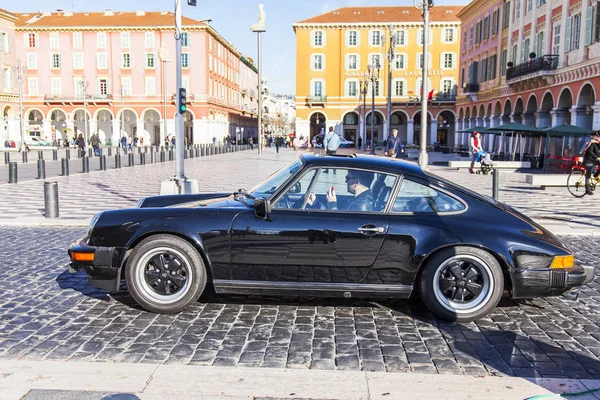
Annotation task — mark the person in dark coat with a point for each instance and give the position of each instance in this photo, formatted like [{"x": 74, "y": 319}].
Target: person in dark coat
[{"x": 591, "y": 158}]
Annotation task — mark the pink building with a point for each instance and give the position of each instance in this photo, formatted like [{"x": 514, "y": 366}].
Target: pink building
[
  {"x": 9, "y": 98},
  {"x": 111, "y": 65}
]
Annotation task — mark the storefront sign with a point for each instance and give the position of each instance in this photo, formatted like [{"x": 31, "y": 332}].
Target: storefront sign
[{"x": 416, "y": 72}]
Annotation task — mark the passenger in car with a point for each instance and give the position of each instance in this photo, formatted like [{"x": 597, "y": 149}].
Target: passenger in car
[{"x": 358, "y": 183}]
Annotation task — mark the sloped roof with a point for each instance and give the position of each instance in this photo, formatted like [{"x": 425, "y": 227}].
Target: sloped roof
[
  {"x": 384, "y": 15},
  {"x": 100, "y": 19}
]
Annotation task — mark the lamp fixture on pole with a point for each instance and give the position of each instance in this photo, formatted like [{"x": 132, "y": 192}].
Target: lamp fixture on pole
[
  {"x": 259, "y": 28},
  {"x": 391, "y": 54},
  {"x": 373, "y": 70},
  {"x": 163, "y": 55},
  {"x": 122, "y": 93},
  {"x": 19, "y": 69},
  {"x": 84, "y": 86},
  {"x": 424, "y": 5}
]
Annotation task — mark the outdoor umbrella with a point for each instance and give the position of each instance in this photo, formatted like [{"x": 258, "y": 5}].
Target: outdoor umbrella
[
  {"x": 474, "y": 129},
  {"x": 516, "y": 128},
  {"x": 568, "y": 130}
]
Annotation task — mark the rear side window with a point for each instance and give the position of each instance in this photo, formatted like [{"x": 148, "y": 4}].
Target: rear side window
[{"x": 417, "y": 198}]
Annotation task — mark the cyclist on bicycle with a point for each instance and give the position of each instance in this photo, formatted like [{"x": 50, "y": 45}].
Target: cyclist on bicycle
[{"x": 591, "y": 158}]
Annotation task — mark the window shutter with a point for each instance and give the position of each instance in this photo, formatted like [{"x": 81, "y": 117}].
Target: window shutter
[
  {"x": 347, "y": 38},
  {"x": 7, "y": 44},
  {"x": 370, "y": 38},
  {"x": 323, "y": 62},
  {"x": 441, "y": 61},
  {"x": 568, "y": 35},
  {"x": 347, "y": 61},
  {"x": 26, "y": 40},
  {"x": 324, "y": 35},
  {"x": 429, "y": 61},
  {"x": 588, "y": 25},
  {"x": 358, "y": 37},
  {"x": 312, "y": 38}
]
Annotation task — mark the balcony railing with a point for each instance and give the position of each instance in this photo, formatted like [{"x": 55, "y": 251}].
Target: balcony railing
[
  {"x": 471, "y": 88},
  {"x": 92, "y": 98},
  {"x": 544, "y": 63},
  {"x": 316, "y": 100},
  {"x": 444, "y": 97}
]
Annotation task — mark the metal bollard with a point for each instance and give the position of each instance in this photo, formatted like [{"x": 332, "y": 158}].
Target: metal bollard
[
  {"x": 197, "y": 150},
  {"x": 162, "y": 156},
  {"x": 40, "y": 155},
  {"x": 51, "y": 199},
  {"x": 142, "y": 158},
  {"x": 90, "y": 153},
  {"x": 54, "y": 155},
  {"x": 64, "y": 165},
  {"x": 117, "y": 161},
  {"x": 68, "y": 154},
  {"x": 170, "y": 155},
  {"x": 202, "y": 152},
  {"x": 152, "y": 157},
  {"x": 6, "y": 157},
  {"x": 103, "y": 162},
  {"x": 131, "y": 159},
  {"x": 85, "y": 165},
  {"x": 12, "y": 172},
  {"x": 110, "y": 151},
  {"x": 24, "y": 153},
  {"x": 495, "y": 183},
  {"x": 146, "y": 150},
  {"x": 185, "y": 154},
  {"x": 41, "y": 169},
  {"x": 139, "y": 150}
]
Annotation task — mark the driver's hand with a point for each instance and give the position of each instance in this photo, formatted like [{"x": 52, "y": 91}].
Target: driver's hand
[
  {"x": 331, "y": 195},
  {"x": 311, "y": 199}
]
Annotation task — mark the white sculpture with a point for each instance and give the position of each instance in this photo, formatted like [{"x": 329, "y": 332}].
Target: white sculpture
[{"x": 262, "y": 18}]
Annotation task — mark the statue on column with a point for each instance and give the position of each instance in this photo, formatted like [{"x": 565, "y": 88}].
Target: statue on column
[{"x": 262, "y": 19}]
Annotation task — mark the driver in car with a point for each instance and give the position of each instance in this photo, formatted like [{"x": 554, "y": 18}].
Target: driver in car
[{"x": 358, "y": 184}]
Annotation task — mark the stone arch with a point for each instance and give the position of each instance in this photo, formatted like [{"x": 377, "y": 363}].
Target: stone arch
[
  {"x": 565, "y": 99},
  {"x": 98, "y": 116},
  {"x": 152, "y": 122},
  {"x": 530, "y": 109},
  {"x": 547, "y": 102},
  {"x": 489, "y": 110},
  {"x": 587, "y": 95},
  {"x": 446, "y": 122},
  {"x": 104, "y": 122},
  {"x": 498, "y": 108},
  {"x": 399, "y": 120},
  {"x": 481, "y": 113},
  {"x": 34, "y": 122},
  {"x": 474, "y": 112},
  {"x": 350, "y": 126},
  {"x": 318, "y": 112},
  {"x": 417, "y": 127},
  {"x": 377, "y": 126},
  {"x": 585, "y": 101},
  {"x": 58, "y": 124},
  {"x": 507, "y": 108},
  {"x": 318, "y": 122},
  {"x": 461, "y": 113}
]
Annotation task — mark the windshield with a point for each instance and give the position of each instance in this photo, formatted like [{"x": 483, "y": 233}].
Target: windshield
[{"x": 272, "y": 183}]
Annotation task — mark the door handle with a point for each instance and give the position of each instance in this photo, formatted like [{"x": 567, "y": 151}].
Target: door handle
[{"x": 371, "y": 229}]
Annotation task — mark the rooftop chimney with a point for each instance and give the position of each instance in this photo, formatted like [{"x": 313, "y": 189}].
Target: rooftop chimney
[
  {"x": 140, "y": 13},
  {"x": 108, "y": 12}
]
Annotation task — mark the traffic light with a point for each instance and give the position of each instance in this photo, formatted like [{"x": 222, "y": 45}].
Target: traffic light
[{"x": 181, "y": 101}]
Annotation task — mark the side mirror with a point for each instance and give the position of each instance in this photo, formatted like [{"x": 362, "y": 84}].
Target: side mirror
[{"x": 262, "y": 207}]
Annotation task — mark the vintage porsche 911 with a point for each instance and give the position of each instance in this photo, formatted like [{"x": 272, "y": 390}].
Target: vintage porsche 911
[{"x": 351, "y": 226}]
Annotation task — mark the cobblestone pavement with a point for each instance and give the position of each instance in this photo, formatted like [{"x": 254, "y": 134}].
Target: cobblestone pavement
[{"x": 47, "y": 313}]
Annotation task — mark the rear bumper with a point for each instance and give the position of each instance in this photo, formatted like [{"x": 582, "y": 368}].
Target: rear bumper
[
  {"x": 529, "y": 283},
  {"x": 104, "y": 272}
]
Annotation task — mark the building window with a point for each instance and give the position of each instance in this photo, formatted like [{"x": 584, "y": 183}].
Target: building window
[
  {"x": 317, "y": 63},
  {"x": 77, "y": 60},
  {"x": 399, "y": 88},
  {"x": 125, "y": 40},
  {"x": 448, "y": 60},
  {"x": 505, "y": 15},
  {"x": 529, "y": 6},
  {"x": 420, "y": 60},
  {"x": 185, "y": 60},
  {"x": 525, "y": 50},
  {"x": 400, "y": 61},
  {"x": 503, "y": 62},
  {"x": 150, "y": 60},
  {"x": 352, "y": 61},
  {"x": 517, "y": 9},
  {"x": 494, "y": 22},
  {"x": 375, "y": 38},
  {"x": 149, "y": 40},
  {"x": 352, "y": 39},
  {"x": 126, "y": 85},
  {"x": 54, "y": 40},
  {"x": 102, "y": 61},
  {"x": 447, "y": 86},
  {"x": 401, "y": 38},
  {"x": 103, "y": 87},
  {"x": 185, "y": 39},
  {"x": 576, "y": 31},
  {"x": 448, "y": 35},
  {"x": 77, "y": 40},
  {"x": 514, "y": 54},
  {"x": 56, "y": 61},
  {"x": 478, "y": 33},
  {"x": 125, "y": 60},
  {"x": 317, "y": 88},
  {"x": 6, "y": 42},
  {"x": 471, "y": 38},
  {"x": 7, "y": 77},
  {"x": 486, "y": 28},
  {"x": 101, "y": 40},
  {"x": 317, "y": 38},
  {"x": 56, "y": 86},
  {"x": 376, "y": 87},
  {"x": 556, "y": 41},
  {"x": 352, "y": 89},
  {"x": 78, "y": 85},
  {"x": 539, "y": 42},
  {"x": 32, "y": 41},
  {"x": 150, "y": 86},
  {"x": 375, "y": 60},
  {"x": 32, "y": 86},
  {"x": 32, "y": 61}
]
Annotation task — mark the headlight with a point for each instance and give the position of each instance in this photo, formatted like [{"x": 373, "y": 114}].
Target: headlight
[{"x": 93, "y": 224}]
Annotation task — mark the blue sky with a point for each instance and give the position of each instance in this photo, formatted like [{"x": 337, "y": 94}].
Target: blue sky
[{"x": 232, "y": 18}]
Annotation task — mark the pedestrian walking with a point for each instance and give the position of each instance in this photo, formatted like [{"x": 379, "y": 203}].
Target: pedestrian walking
[
  {"x": 591, "y": 158},
  {"x": 277, "y": 143},
  {"x": 475, "y": 147}
]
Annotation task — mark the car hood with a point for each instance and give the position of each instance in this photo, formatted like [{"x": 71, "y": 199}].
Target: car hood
[
  {"x": 182, "y": 200},
  {"x": 218, "y": 202}
]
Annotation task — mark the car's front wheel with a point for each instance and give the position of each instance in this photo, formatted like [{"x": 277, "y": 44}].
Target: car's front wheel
[
  {"x": 461, "y": 283},
  {"x": 165, "y": 273}
]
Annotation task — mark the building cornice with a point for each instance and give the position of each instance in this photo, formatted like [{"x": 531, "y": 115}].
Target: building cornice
[{"x": 370, "y": 25}]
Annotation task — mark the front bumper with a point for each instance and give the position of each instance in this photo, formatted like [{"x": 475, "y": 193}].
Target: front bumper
[
  {"x": 529, "y": 283},
  {"x": 104, "y": 271}
]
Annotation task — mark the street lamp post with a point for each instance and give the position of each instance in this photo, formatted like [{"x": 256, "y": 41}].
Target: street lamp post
[
  {"x": 164, "y": 58},
  {"x": 20, "y": 71},
  {"x": 122, "y": 93},
  {"x": 84, "y": 86},
  {"x": 373, "y": 77},
  {"x": 390, "y": 56},
  {"x": 259, "y": 28},
  {"x": 424, "y": 5}
]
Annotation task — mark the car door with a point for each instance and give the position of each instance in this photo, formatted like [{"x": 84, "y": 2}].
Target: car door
[{"x": 301, "y": 243}]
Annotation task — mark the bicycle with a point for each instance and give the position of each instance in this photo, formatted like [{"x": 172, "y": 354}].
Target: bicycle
[{"x": 576, "y": 180}]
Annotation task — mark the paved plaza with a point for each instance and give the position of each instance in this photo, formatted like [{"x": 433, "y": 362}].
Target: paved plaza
[{"x": 49, "y": 314}]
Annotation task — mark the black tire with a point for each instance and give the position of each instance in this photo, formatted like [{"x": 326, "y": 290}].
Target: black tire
[
  {"x": 576, "y": 183},
  {"x": 441, "y": 282},
  {"x": 165, "y": 273}
]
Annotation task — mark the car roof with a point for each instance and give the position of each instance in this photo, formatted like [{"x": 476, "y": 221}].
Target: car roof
[{"x": 364, "y": 161}]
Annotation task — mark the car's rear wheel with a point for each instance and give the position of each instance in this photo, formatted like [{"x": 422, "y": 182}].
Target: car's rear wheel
[
  {"x": 165, "y": 273},
  {"x": 461, "y": 283}
]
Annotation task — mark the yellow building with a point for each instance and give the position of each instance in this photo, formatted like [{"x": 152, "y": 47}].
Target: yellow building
[{"x": 334, "y": 51}]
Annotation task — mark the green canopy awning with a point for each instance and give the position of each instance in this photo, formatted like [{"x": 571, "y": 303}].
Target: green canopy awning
[
  {"x": 474, "y": 129},
  {"x": 515, "y": 127},
  {"x": 568, "y": 130}
]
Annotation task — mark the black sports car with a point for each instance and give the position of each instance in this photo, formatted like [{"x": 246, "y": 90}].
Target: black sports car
[{"x": 332, "y": 226}]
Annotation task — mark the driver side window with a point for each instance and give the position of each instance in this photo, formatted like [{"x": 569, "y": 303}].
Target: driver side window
[{"x": 294, "y": 197}]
